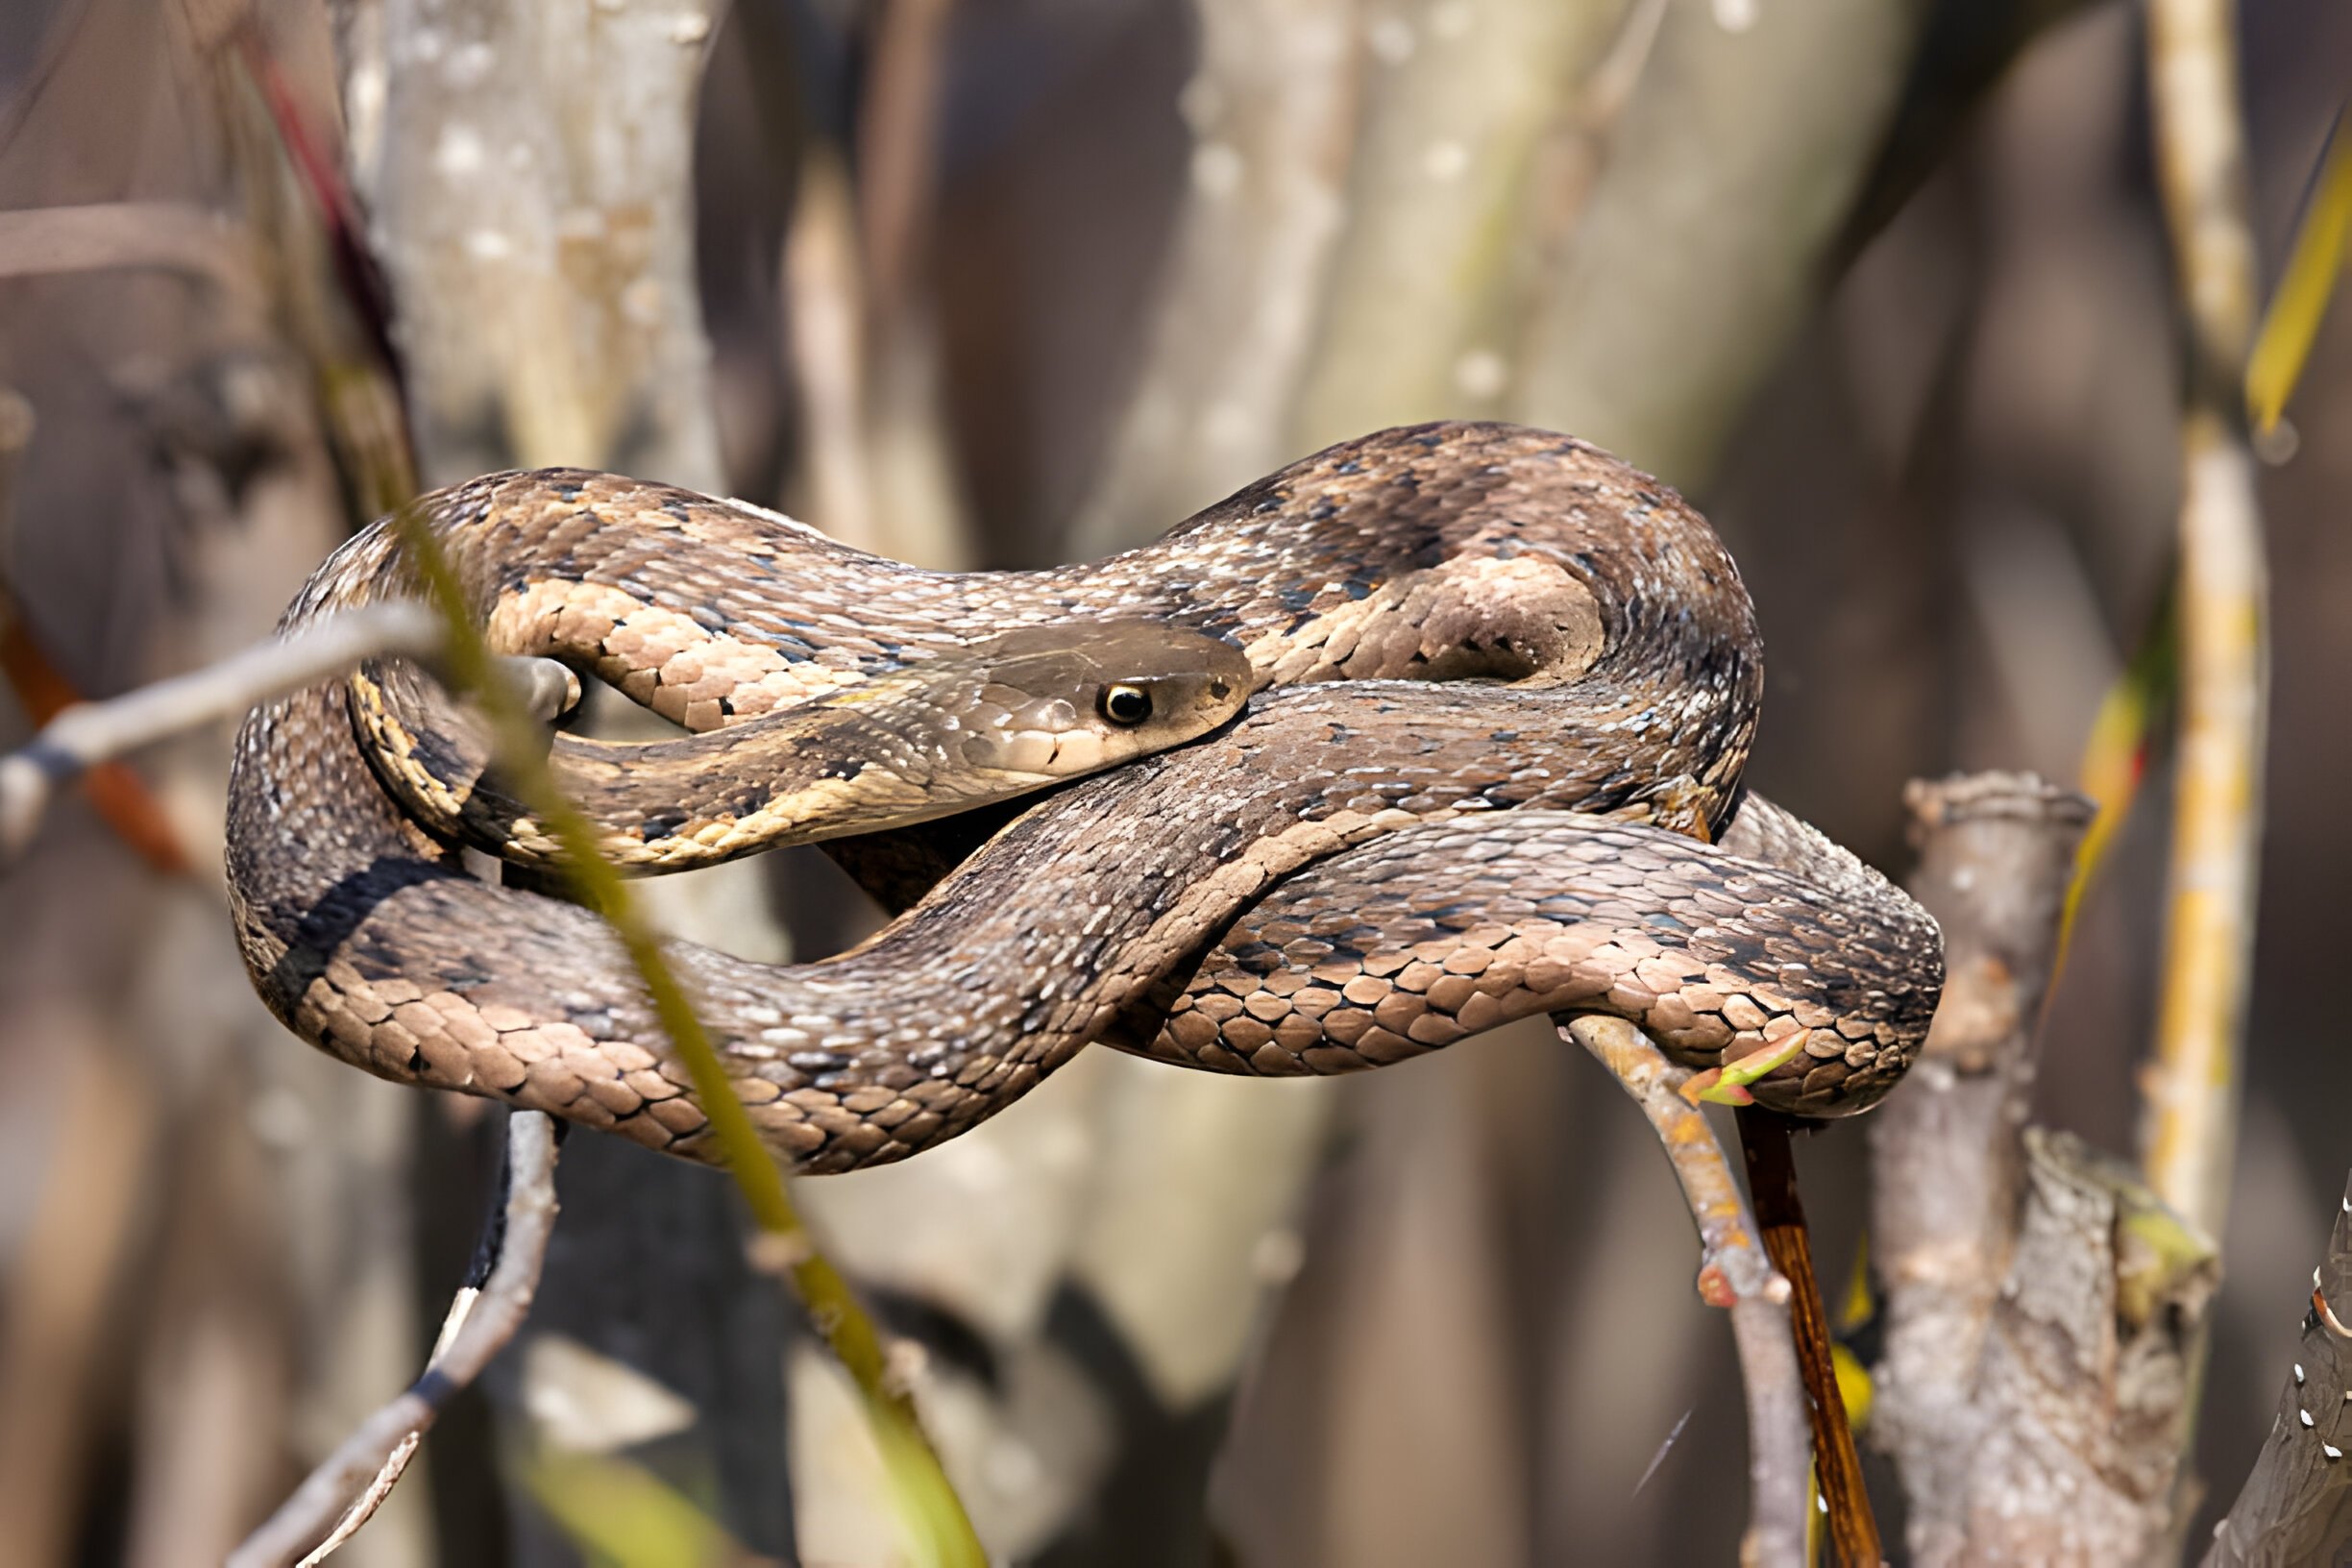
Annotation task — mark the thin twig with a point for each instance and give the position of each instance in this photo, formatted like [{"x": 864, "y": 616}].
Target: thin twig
[
  {"x": 897, "y": 140},
  {"x": 2298, "y": 305},
  {"x": 929, "y": 1504},
  {"x": 175, "y": 236},
  {"x": 79, "y": 1238},
  {"x": 1772, "y": 1186},
  {"x": 2296, "y": 1504},
  {"x": 488, "y": 1253},
  {"x": 120, "y": 798},
  {"x": 821, "y": 296},
  {"x": 2191, "y": 1093},
  {"x": 362, "y": 1459},
  {"x": 94, "y": 732},
  {"x": 1733, "y": 1272},
  {"x": 1275, "y": 107}
]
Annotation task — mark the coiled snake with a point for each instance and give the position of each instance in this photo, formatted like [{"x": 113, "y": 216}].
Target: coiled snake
[{"x": 1503, "y": 689}]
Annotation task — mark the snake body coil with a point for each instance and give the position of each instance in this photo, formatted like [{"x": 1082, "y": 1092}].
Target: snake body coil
[{"x": 1505, "y": 687}]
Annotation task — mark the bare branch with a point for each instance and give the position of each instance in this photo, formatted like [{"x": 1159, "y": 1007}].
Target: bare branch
[
  {"x": 2297, "y": 1504},
  {"x": 2041, "y": 1308},
  {"x": 1995, "y": 852},
  {"x": 2086, "y": 1375},
  {"x": 171, "y": 235},
  {"x": 1273, "y": 112},
  {"x": 1733, "y": 1272},
  {"x": 2191, "y": 1093},
  {"x": 1946, "y": 1162},
  {"x": 371, "y": 1458},
  {"x": 1426, "y": 299},
  {"x": 94, "y": 732},
  {"x": 1725, "y": 179}
]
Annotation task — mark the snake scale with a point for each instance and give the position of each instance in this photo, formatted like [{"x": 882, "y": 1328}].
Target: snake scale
[{"x": 1501, "y": 691}]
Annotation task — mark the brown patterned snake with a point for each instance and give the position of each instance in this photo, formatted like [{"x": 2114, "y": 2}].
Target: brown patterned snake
[{"x": 1504, "y": 689}]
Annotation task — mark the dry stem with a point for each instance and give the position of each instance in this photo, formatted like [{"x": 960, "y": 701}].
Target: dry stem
[
  {"x": 1733, "y": 1272},
  {"x": 93, "y": 732},
  {"x": 2041, "y": 1308},
  {"x": 2217, "y": 827},
  {"x": 373, "y": 1456},
  {"x": 930, "y": 1508},
  {"x": 2297, "y": 1504},
  {"x": 1772, "y": 1185}
]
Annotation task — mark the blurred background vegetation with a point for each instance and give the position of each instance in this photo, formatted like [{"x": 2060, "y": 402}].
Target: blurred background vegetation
[{"x": 1881, "y": 283}]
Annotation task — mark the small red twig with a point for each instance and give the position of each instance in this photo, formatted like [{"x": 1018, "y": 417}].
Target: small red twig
[
  {"x": 119, "y": 795},
  {"x": 1772, "y": 1188}
]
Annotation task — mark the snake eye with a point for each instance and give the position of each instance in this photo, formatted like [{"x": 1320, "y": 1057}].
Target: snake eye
[{"x": 1125, "y": 705}]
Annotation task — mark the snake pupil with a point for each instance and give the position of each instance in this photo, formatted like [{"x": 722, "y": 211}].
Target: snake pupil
[{"x": 1125, "y": 705}]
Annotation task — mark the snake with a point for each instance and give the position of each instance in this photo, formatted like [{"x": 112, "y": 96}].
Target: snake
[{"x": 1434, "y": 729}]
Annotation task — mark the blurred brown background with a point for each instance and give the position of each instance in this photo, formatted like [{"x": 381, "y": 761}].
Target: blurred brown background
[{"x": 994, "y": 282}]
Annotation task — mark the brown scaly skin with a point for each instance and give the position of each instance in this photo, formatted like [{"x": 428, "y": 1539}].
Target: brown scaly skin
[
  {"x": 1460, "y": 549},
  {"x": 1370, "y": 959}
]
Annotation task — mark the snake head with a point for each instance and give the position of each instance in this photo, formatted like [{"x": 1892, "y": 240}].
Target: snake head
[{"x": 1063, "y": 700}]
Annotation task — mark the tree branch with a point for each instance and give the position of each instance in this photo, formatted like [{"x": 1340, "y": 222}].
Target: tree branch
[
  {"x": 2297, "y": 1504},
  {"x": 1733, "y": 1272},
  {"x": 175, "y": 236},
  {"x": 94, "y": 732},
  {"x": 2041, "y": 1309},
  {"x": 479, "y": 1325},
  {"x": 2191, "y": 1090}
]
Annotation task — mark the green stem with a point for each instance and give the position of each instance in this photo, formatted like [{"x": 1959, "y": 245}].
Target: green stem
[{"x": 928, "y": 1503}]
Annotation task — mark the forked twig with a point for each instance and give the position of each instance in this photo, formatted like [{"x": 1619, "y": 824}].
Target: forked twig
[
  {"x": 1733, "y": 1272},
  {"x": 482, "y": 1321},
  {"x": 93, "y": 732}
]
